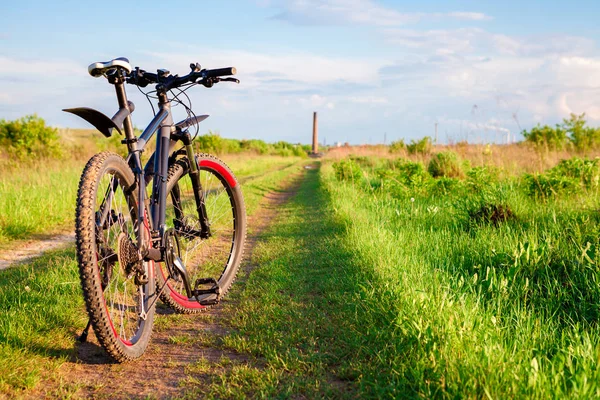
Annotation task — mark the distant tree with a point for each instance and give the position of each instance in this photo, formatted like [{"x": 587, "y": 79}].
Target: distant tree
[
  {"x": 584, "y": 138},
  {"x": 547, "y": 137}
]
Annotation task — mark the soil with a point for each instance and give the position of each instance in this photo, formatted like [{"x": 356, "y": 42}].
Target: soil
[
  {"x": 24, "y": 251},
  {"x": 179, "y": 342}
]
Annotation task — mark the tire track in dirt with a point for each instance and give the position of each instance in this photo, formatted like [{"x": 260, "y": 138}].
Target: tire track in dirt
[
  {"x": 179, "y": 342},
  {"x": 24, "y": 251}
]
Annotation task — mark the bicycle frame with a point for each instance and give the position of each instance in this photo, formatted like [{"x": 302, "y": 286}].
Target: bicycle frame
[{"x": 158, "y": 165}]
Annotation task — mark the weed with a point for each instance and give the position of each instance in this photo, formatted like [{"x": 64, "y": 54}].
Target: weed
[
  {"x": 570, "y": 177},
  {"x": 347, "y": 170},
  {"x": 422, "y": 146},
  {"x": 397, "y": 146},
  {"x": 445, "y": 164}
]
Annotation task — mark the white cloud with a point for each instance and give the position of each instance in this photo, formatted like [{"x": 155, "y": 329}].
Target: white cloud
[
  {"x": 23, "y": 69},
  {"x": 283, "y": 71},
  {"x": 365, "y": 12},
  {"x": 369, "y": 99},
  {"x": 472, "y": 16}
]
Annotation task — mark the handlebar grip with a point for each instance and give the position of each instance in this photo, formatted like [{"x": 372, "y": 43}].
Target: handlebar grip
[{"x": 214, "y": 73}]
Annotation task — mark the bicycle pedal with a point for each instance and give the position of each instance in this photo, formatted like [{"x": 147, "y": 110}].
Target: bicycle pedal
[
  {"x": 214, "y": 289},
  {"x": 210, "y": 302}
]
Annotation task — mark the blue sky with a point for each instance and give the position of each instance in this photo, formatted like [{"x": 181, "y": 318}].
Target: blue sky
[{"x": 371, "y": 68}]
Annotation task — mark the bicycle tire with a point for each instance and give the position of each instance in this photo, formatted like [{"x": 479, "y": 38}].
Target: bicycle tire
[
  {"x": 220, "y": 255},
  {"x": 119, "y": 297}
]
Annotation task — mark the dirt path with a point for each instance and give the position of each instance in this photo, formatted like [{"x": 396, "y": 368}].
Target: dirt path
[
  {"x": 24, "y": 251},
  {"x": 180, "y": 343}
]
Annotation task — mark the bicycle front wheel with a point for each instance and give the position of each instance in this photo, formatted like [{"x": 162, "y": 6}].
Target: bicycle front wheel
[
  {"x": 119, "y": 289},
  {"x": 218, "y": 256}
]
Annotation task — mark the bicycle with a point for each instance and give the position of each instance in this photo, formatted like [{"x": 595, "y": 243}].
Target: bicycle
[{"x": 183, "y": 243}]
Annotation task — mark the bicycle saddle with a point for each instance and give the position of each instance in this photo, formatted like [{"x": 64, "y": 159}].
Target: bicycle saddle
[{"x": 99, "y": 68}]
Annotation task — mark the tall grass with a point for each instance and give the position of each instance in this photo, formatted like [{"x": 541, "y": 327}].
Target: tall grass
[
  {"x": 37, "y": 198},
  {"x": 465, "y": 308}
]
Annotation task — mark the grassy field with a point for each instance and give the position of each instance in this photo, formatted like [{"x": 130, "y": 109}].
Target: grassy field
[
  {"x": 373, "y": 286},
  {"x": 40, "y": 198},
  {"x": 41, "y": 305},
  {"x": 469, "y": 274}
]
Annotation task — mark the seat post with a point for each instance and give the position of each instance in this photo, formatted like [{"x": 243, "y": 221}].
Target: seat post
[{"x": 119, "y": 83}]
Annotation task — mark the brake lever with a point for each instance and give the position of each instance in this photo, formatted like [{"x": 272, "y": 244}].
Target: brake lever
[
  {"x": 229, "y": 80},
  {"x": 209, "y": 82}
]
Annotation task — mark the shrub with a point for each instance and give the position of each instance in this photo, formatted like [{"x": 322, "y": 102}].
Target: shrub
[
  {"x": 29, "y": 136},
  {"x": 583, "y": 138},
  {"x": 411, "y": 174},
  {"x": 445, "y": 186},
  {"x": 347, "y": 170},
  {"x": 423, "y": 146},
  {"x": 445, "y": 164},
  {"x": 256, "y": 145},
  {"x": 397, "y": 146},
  {"x": 547, "y": 137},
  {"x": 572, "y": 131},
  {"x": 571, "y": 176},
  {"x": 210, "y": 143},
  {"x": 364, "y": 161},
  {"x": 543, "y": 186},
  {"x": 480, "y": 180}
]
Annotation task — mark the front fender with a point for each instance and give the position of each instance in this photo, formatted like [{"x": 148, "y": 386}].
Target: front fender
[
  {"x": 186, "y": 123},
  {"x": 100, "y": 121}
]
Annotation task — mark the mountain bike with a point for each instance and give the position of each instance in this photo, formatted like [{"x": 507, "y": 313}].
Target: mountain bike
[{"x": 183, "y": 242}]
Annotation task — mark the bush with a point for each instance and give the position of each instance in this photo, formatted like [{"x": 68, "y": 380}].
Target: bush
[
  {"x": 481, "y": 180},
  {"x": 572, "y": 176},
  {"x": 445, "y": 186},
  {"x": 397, "y": 146},
  {"x": 572, "y": 131},
  {"x": 423, "y": 146},
  {"x": 209, "y": 143},
  {"x": 583, "y": 138},
  {"x": 29, "y": 136},
  {"x": 212, "y": 142},
  {"x": 546, "y": 137},
  {"x": 255, "y": 145},
  {"x": 411, "y": 174},
  {"x": 364, "y": 161},
  {"x": 347, "y": 170},
  {"x": 486, "y": 200},
  {"x": 445, "y": 164}
]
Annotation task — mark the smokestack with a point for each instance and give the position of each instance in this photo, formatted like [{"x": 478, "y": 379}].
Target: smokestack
[{"x": 315, "y": 148}]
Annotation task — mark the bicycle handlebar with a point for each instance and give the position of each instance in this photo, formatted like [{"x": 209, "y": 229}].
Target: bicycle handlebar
[
  {"x": 215, "y": 73},
  {"x": 207, "y": 77}
]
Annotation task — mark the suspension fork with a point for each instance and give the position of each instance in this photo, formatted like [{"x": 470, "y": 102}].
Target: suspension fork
[{"x": 194, "y": 172}]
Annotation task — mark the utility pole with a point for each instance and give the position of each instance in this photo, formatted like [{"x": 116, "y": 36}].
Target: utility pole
[
  {"x": 315, "y": 147},
  {"x": 436, "y": 133}
]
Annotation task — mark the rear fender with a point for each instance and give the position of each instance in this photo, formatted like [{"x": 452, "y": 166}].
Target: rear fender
[{"x": 100, "y": 121}]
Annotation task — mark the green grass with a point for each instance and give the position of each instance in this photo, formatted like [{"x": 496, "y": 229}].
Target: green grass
[
  {"x": 361, "y": 294},
  {"x": 41, "y": 305},
  {"x": 373, "y": 282},
  {"x": 472, "y": 309},
  {"x": 37, "y": 199},
  {"x": 40, "y": 199},
  {"x": 40, "y": 313},
  {"x": 298, "y": 313}
]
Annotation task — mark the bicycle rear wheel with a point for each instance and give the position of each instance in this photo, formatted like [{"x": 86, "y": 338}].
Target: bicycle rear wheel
[
  {"x": 218, "y": 256},
  {"x": 119, "y": 290}
]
